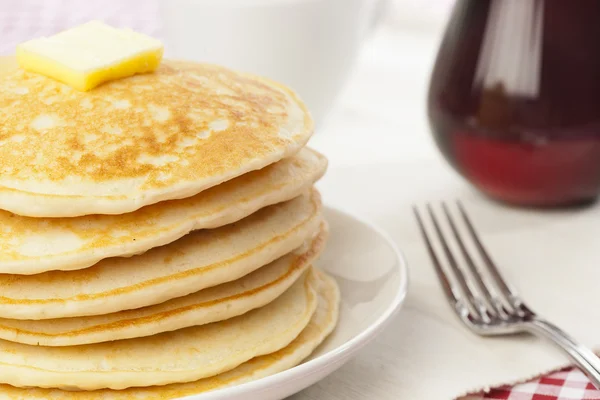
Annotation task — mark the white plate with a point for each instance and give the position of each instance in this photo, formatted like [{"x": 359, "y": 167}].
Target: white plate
[{"x": 372, "y": 276}]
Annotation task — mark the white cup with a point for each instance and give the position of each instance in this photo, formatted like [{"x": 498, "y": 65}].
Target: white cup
[{"x": 309, "y": 45}]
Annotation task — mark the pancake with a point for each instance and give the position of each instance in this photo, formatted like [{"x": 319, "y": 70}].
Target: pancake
[
  {"x": 199, "y": 260},
  {"x": 34, "y": 245},
  {"x": 140, "y": 140},
  {"x": 320, "y": 326},
  {"x": 8, "y": 64},
  {"x": 217, "y": 303},
  {"x": 180, "y": 356}
]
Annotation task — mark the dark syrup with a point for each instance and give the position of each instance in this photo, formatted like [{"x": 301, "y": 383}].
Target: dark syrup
[{"x": 523, "y": 126}]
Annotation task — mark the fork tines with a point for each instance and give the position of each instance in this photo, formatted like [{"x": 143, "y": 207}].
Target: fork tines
[{"x": 470, "y": 279}]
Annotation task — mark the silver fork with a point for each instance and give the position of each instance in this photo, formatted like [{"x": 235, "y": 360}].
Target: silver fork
[{"x": 486, "y": 304}]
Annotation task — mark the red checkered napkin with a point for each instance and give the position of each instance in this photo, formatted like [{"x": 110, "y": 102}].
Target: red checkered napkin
[{"x": 568, "y": 384}]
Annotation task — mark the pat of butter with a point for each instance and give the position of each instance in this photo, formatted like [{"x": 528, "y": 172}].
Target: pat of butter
[{"x": 90, "y": 54}]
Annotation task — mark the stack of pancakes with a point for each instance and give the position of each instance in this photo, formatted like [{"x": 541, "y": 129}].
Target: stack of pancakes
[{"x": 157, "y": 234}]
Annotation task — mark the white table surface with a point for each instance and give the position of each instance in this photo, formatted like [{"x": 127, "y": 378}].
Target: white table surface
[{"x": 378, "y": 132}]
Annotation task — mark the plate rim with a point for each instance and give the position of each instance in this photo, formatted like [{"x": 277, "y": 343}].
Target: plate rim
[{"x": 345, "y": 350}]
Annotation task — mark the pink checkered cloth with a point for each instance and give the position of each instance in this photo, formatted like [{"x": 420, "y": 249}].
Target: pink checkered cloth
[
  {"x": 21, "y": 20},
  {"x": 568, "y": 384}
]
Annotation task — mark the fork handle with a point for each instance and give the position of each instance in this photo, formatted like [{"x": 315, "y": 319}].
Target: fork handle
[{"x": 582, "y": 356}]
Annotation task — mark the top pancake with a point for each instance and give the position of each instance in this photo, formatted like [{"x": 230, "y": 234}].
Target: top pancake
[{"x": 140, "y": 140}]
